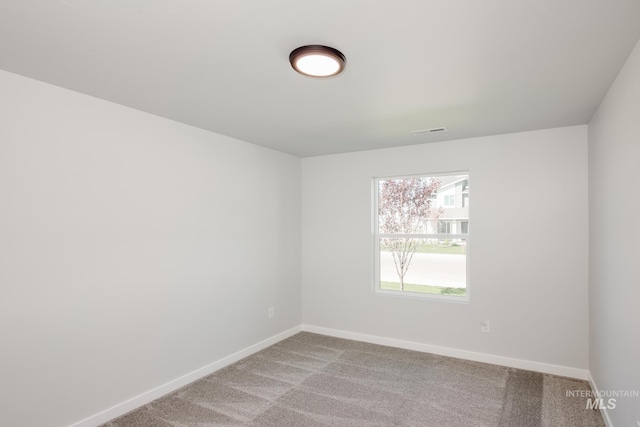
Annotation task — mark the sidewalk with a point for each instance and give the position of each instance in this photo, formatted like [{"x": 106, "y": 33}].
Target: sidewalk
[{"x": 427, "y": 269}]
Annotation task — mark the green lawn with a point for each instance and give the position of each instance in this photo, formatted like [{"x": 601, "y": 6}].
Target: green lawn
[
  {"x": 425, "y": 289},
  {"x": 438, "y": 249},
  {"x": 441, "y": 249}
]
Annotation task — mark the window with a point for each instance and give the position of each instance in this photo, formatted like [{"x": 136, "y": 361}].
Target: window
[
  {"x": 421, "y": 240},
  {"x": 444, "y": 227}
]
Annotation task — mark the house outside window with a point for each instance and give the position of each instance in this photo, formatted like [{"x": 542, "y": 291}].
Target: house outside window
[{"x": 421, "y": 236}]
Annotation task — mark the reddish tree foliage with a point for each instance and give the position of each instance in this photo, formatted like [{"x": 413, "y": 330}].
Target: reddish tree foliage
[{"x": 404, "y": 207}]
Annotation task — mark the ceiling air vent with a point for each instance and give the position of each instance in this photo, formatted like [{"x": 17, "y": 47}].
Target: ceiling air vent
[{"x": 428, "y": 131}]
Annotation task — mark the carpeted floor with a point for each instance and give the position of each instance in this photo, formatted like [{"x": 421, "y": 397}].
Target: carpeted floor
[{"x": 315, "y": 380}]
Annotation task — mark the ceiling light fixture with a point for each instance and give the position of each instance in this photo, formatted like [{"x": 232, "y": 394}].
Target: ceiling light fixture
[{"x": 317, "y": 61}]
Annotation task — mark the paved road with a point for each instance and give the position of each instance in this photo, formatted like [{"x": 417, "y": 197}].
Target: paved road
[{"x": 427, "y": 269}]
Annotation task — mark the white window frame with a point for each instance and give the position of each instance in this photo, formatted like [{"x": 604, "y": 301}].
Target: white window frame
[{"x": 377, "y": 236}]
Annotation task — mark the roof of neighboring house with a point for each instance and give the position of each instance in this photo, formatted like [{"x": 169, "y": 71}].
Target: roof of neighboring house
[{"x": 450, "y": 180}]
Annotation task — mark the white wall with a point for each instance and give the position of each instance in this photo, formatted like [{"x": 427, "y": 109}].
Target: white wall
[
  {"x": 528, "y": 255},
  {"x": 133, "y": 250},
  {"x": 614, "y": 256}
]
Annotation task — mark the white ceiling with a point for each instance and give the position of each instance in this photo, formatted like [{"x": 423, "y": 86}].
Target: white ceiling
[{"x": 476, "y": 67}]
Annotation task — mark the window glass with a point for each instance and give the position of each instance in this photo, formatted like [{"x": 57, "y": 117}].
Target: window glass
[{"x": 421, "y": 235}]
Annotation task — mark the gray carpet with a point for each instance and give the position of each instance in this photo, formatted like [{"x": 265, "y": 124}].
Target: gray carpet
[{"x": 315, "y": 380}]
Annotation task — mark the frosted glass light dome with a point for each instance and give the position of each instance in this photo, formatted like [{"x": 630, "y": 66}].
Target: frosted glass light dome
[{"x": 317, "y": 61}]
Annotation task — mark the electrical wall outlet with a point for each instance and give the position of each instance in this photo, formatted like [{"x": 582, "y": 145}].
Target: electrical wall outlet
[
  {"x": 272, "y": 312},
  {"x": 485, "y": 326}
]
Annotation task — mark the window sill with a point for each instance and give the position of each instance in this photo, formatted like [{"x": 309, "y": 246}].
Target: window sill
[{"x": 422, "y": 296}]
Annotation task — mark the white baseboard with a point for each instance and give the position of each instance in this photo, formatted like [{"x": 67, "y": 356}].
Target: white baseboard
[
  {"x": 603, "y": 409},
  {"x": 146, "y": 397},
  {"x": 545, "y": 368}
]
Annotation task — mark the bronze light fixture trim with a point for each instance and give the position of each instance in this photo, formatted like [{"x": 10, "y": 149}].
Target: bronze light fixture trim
[{"x": 317, "y": 61}]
